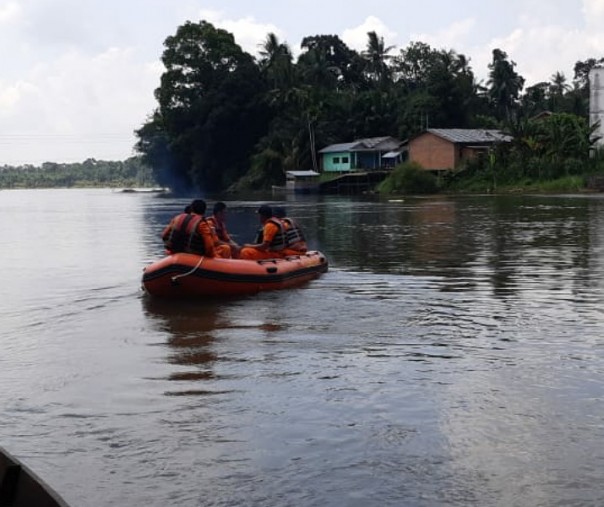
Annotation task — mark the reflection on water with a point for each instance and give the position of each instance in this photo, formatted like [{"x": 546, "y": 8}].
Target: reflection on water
[
  {"x": 452, "y": 355},
  {"x": 190, "y": 329}
]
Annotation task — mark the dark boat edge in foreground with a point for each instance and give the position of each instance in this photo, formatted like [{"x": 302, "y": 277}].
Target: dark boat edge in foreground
[{"x": 21, "y": 487}]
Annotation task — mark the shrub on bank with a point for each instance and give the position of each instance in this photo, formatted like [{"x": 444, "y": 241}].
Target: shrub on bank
[{"x": 408, "y": 178}]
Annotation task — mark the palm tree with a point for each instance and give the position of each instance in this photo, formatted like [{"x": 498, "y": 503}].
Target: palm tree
[
  {"x": 276, "y": 61},
  {"x": 504, "y": 83},
  {"x": 559, "y": 85},
  {"x": 557, "y": 89},
  {"x": 269, "y": 49},
  {"x": 377, "y": 57}
]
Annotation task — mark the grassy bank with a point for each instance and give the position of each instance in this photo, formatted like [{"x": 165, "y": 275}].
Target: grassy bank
[
  {"x": 567, "y": 184},
  {"x": 409, "y": 178}
]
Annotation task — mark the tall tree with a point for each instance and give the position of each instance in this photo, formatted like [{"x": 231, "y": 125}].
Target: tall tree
[
  {"x": 557, "y": 90},
  {"x": 328, "y": 62},
  {"x": 579, "y": 96},
  {"x": 210, "y": 114},
  {"x": 435, "y": 88},
  {"x": 276, "y": 62},
  {"x": 536, "y": 99},
  {"x": 582, "y": 70},
  {"x": 558, "y": 85},
  {"x": 377, "y": 56},
  {"x": 413, "y": 64},
  {"x": 505, "y": 84}
]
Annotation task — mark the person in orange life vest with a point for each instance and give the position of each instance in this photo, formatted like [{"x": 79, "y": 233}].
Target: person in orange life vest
[
  {"x": 272, "y": 241},
  {"x": 191, "y": 233},
  {"x": 294, "y": 237},
  {"x": 218, "y": 223}
]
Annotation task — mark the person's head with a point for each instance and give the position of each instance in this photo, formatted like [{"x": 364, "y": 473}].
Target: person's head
[
  {"x": 198, "y": 206},
  {"x": 279, "y": 212},
  {"x": 219, "y": 209},
  {"x": 264, "y": 212}
]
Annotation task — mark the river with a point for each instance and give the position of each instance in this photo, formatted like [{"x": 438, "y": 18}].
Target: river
[{"x": 453, "y": 355}]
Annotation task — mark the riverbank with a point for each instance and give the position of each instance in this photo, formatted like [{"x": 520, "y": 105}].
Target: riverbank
[{"x": 568, "y": 184}]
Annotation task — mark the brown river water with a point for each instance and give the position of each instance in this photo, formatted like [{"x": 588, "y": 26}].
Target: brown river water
[{"x": 453, "y": 355}]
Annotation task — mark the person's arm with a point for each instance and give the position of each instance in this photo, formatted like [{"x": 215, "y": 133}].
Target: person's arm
[
  {"x": 208, "y": 238},
  {"x": 268, "y": 234}
]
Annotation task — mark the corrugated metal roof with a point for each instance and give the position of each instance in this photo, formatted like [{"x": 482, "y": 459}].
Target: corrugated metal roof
[
  {"x": 367, "y": 144},
  {"x": 334, "y": 148},
  {"x": 373, "y": 142},
  {"x": 471, "y": 135},
  {"x": 393, "y": 154}
]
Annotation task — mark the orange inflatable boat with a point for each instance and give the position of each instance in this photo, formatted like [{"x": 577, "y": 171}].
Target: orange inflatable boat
[{"x": 185, "y": 274}]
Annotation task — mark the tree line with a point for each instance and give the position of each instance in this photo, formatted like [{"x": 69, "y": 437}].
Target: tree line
[
  {"x": 225, "y": 119},
  {"x": 90, "y": 173}
]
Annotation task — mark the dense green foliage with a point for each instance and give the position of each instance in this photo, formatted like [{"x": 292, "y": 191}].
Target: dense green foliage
[
  {"x": 546, "y": 154},
  {"x": 225, "y": 118},
  {"x": 408, "y": 178},
  {"x": 210, "y": 112},
  {"x": 90, "y": 173}
]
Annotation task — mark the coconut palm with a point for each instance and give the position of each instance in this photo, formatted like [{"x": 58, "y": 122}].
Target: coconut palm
[
  {"x": 276, "y": 62},
  {"x": 377, "y": 58},
  {"x": 504, "y": 83}
]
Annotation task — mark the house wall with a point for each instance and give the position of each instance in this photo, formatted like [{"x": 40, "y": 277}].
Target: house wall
[
  {"x": 337, "y": 162},
  {"x": 468, "y": 153},
  {"x": 392, "y": 162},
  {"x": 433, "y": 152},
  {"x": 368, "y": 160}
]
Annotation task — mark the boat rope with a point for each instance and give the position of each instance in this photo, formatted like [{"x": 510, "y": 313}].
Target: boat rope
[{"x": 190, "y": 272}]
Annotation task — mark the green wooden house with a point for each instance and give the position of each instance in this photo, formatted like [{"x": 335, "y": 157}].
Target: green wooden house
[{"x": 360, "y": 155}]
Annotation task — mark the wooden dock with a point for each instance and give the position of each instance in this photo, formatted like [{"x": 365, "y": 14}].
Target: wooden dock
[{"x": 353, "y": 183}]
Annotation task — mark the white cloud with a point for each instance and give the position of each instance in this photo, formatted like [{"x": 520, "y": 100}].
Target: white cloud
[
  {"x": 248, "y": 32},
  {"x": 77, "y": 107},
  {"x": 9, "y": 11},
  {"x": 76, "y": 104},
  {"x": 356, "y": 38},
  {"x": 542, "y": 50},
  {"x": 539, "y": 49},
  {"x": 453, "y": 36},
  {"x": 593, "y": 10},
  {"x": 11, "y": 96}
]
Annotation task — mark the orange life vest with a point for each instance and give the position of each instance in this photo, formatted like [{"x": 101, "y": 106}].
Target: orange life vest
[
  {"x": 183, "y": 234},
  {"x": 293, "y": 233},
  {"x": 219, "y": 228},
  {"x": 279, "y": 241}
]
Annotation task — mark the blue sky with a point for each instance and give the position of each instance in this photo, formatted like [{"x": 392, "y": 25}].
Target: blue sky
[{"x": 77, "y": 76}]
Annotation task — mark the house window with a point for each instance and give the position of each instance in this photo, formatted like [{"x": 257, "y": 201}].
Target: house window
[
  {"x": 336, "y": 160},
  {"x": 344, "y": 160}
]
